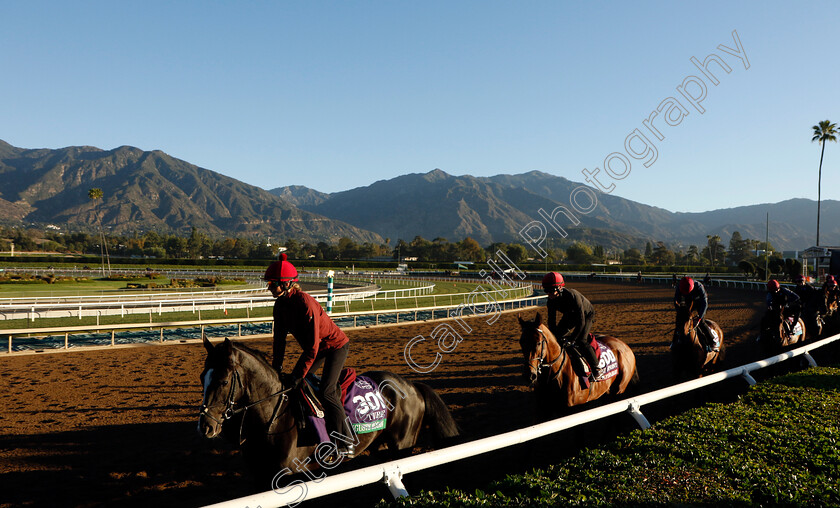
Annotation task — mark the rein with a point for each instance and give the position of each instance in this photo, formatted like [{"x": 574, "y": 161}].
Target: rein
[{"x": 543, "y": 363}]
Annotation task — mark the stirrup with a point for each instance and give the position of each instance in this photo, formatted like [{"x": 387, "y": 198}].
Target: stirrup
[
  {"x": 337, "y": 456},
  {"x": 348, "y": 451}
]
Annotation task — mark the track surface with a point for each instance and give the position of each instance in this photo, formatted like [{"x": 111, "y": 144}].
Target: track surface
[{"x": 117, "y": 426}]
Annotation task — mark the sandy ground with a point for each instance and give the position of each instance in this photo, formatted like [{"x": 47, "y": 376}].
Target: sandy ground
[{"x": 117, "y": 427}]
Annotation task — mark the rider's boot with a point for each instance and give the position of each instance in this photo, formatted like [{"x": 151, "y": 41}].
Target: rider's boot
[
  {"x": 592, "y": 359},
  {"x": 706, "y": 336}
]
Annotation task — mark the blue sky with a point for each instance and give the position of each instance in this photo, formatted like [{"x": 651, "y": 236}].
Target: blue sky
[{"x": 339, "y": 95}]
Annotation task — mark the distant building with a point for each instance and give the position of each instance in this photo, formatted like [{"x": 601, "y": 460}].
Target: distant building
[{"x": 822, "y": 260}]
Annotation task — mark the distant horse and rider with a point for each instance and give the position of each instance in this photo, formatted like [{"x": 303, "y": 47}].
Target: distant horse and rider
[
  {"x": 552, "y": 368},
  {"x": 565, "y": 363},
  {"x": 781, "y": 326},
  {"x": 697, "y": 347},
  {"x": 693, "y": 356}
]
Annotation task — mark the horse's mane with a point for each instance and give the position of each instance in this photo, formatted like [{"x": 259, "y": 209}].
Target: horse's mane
[{"x": 258, "y": 355}]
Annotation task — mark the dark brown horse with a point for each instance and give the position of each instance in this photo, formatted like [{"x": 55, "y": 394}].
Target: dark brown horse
[
  {"x": 688, "y": 354},
  {"x": 243, "y": 396},
  {"x": 550, "y": 372}
]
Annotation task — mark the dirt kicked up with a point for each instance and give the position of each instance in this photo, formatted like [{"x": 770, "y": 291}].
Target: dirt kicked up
[{"x": 114, "y": 427}]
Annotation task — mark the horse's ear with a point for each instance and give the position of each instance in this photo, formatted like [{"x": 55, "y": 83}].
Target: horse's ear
[
  {"x": 207, "y": 344},
  {"x": 519, "y": 317},
  {"x": 228, "y": 345},
  {"x": 538, "y": 319}
]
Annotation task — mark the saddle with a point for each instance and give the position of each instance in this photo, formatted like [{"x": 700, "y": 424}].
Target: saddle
[
  {"x": 309, "y": 396},
  {"x": 579, "y": 363}
]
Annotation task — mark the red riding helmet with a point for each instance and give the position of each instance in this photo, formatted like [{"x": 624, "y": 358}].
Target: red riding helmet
[
  {"x": 773, "y": 285},
  {"x": 281, "y": 270},
  {"x": 686, "y": 285},
  {"x": 800, "y": 278},
  {"x": 551, "y": 280},
  {"x": 830, "y": 281}
]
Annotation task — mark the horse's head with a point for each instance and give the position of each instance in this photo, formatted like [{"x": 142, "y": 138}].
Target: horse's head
[
  {"x": 534, "y": 341},
  {"x": 685, "y": 320},
  {"x": 223, "y": 387}
]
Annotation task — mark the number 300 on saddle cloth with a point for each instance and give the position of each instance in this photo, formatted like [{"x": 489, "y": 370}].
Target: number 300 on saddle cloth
[
  {"x": 364, "y": 406},
  {"x": 607, "y": 362}
]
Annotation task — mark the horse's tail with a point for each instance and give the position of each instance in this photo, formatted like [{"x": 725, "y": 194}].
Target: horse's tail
[
  {"x": 634, "y": 387},
  {"x": 437, "y": 416}
]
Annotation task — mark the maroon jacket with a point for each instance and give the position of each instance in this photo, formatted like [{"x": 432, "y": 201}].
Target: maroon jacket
[{"x": 302, "y": 316}]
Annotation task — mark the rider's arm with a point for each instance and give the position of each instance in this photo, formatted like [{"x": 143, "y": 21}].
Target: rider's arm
[
  {"x": 279, "y": 342},
  {"x": 702, "y": 302},
  {"x": 311, "y": 341}
]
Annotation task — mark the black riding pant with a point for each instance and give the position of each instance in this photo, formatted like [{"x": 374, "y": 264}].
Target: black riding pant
[
  {"x": 706, "y": 332},
  {"x": 583, "y": 343},
  {"x": 331, "y": 391}
]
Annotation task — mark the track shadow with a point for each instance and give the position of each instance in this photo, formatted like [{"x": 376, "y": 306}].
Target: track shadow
[{"x": 160, "y": 464}]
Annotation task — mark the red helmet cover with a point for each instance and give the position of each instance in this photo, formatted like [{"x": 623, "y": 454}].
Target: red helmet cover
[
  {"x": 686, "y": 285},
  {"x": 281, "y": 270},
  {"x": 552, "y": 279}
]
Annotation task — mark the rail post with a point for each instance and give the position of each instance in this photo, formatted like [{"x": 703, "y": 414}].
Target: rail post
[
  {"x": 746, "y": 375},
  {"x": 330, "y": 275},
  {"x": 633, "y": 409},
  {"x": 393, "y": 479}
]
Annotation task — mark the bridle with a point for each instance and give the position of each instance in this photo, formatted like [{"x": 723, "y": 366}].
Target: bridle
[
  {"x": 543, "y": 362},
  {"x": 230, "y": 403}
]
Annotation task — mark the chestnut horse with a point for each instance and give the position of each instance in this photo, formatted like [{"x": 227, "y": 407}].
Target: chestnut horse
[
  {"x": 550, "y": 372},
  {"x": 773, "y": 337},
  {"x": 688, "y": 354}
]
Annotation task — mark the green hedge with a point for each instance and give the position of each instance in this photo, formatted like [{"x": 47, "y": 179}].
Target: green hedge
[{"x": 777, "y": 446}]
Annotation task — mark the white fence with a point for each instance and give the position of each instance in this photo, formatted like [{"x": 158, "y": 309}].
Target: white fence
[
  {"x": 494, "y": 301},
  {"x": 79, "y": 306},
  {"x": 391, "y": 473}
]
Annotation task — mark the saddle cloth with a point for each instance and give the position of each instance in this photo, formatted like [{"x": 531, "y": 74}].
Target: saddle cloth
[
  {"x": 796, "y": 329},
  {"x": 607, "y": 362},
  {"x": 363, "y": 404}
]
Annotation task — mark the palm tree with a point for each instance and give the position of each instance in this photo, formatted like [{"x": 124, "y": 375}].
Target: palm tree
[
  {"x": 95, "y": 195},
  {"x": 825, "y": 131}
]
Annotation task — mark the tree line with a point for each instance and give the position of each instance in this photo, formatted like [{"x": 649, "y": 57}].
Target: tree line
[{"x": 745, "y": 253}]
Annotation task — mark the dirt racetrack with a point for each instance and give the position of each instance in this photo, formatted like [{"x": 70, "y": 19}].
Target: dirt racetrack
[{"x": 116, "y": 427}]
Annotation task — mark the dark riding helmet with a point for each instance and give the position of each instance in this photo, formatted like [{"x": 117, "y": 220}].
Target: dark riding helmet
[
  {"x": 800, "y": 279},
  {"x": 773, "y": 285},
  {"x": 552, "y": 280},
  {"x": 686, "y": 285},
  {"x": 281, "y": 271}
]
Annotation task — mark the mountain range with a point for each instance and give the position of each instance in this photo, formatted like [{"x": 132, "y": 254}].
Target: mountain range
[
  {"x": 436, "y": 204},
  {"x": 150, "y": 190}
]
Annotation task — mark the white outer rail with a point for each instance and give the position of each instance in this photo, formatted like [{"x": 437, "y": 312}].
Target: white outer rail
[{"x": 391, "y": 473}]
